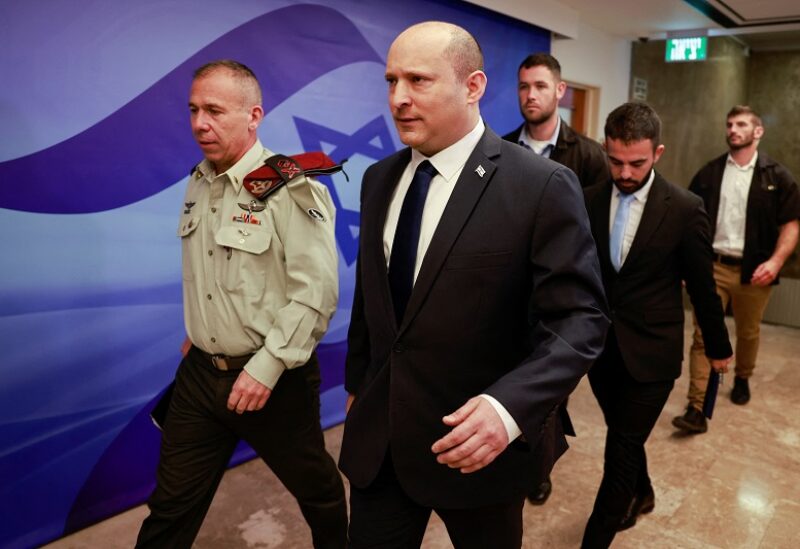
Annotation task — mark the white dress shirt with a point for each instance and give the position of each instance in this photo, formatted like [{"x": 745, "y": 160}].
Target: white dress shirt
[
  {"x": 448, "y": 163},
  {"x": 634, "y": 214},
  {"x": 729, "y": 234}
]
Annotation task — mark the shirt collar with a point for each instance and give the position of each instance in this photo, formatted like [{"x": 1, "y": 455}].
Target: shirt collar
[
  {"x": 749, "y": 166},
  {"x": 238, "y": 171},
  {"x": 641, "y": 194},
  {"x": 449, "y": 161},
  {"x": 525, "y": 140}
]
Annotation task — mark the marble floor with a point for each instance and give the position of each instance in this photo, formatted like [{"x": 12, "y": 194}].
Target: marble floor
[{"x": 737, "y": 486}]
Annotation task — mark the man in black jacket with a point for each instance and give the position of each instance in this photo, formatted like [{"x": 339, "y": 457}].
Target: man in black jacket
[
  {"x": 539, "y": 90},
  {"x": 651, "y": 235},
  {"x": 754, "y": 206}
]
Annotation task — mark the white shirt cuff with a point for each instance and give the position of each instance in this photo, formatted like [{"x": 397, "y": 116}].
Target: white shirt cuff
[{"x": 512, "y": 429}]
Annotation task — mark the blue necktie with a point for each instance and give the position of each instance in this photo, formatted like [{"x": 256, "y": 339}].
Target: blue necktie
[
  {"x": 618, "y": 229},
  {"x": 406, "y": 239}
]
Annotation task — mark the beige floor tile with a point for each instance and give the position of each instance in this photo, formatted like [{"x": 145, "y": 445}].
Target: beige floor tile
[{"x": 737, "y": 486}]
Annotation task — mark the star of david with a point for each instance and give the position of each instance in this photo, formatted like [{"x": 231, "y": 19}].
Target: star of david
[{"x": 361, "y": 142}]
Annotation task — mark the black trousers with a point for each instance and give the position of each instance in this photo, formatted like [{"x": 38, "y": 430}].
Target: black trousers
[
  {"x": 631, "y": 409},
  {"x": 200, "y": 435},
  {"x": 382, "y": 515}
]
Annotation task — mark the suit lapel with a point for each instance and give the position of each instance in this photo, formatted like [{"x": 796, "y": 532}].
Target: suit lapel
[
  {"x": 600, "y": 220},
  {"x": 658, "y": 202},
  {"x": 466, "y": 194},
  {"x": 373, "y": 258}
]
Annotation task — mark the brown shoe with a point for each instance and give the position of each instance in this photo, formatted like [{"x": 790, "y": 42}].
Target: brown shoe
[{"x": 693, "y": 421}]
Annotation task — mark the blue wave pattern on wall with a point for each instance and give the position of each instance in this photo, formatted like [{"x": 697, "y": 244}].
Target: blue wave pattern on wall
[
  {"x": 85, "y": 355},
  {"x": 133, "y": 154},
  {"x": 80, "y": 448}
]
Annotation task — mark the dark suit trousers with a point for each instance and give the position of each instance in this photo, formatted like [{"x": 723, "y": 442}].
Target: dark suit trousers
[
  {"x": 382, "y": 515},
  {"x": 200, "y": 435},
  {"x": 631, "y": 409}
]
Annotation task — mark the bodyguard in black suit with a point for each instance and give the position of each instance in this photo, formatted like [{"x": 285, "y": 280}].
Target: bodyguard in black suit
[
  {"x": 490, "y": 311},
  {"x": 651, "y": 235}
]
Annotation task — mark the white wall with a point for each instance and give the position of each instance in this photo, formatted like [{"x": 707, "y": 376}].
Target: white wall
[{"x": 598, "y": 59}]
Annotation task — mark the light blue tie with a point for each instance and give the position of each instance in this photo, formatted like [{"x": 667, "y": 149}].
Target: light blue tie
[{"x": 618, "y": 229}]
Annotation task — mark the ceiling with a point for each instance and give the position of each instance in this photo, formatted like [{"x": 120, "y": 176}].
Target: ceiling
[{"x": 762, "y": 25}]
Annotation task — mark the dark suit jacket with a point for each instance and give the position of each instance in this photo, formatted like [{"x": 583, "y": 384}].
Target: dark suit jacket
[
  {"x": 508, "y": 302},
  {"x": 773, "y": 201},
  {"x": 645, "y": 298},
  {"x": 578, "y": 153}
]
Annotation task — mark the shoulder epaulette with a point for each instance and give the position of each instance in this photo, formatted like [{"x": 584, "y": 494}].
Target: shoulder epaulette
[{"x": 279, "y": 170}]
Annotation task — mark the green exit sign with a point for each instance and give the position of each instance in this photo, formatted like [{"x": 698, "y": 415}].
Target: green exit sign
[{"x": 687, "y": 49}]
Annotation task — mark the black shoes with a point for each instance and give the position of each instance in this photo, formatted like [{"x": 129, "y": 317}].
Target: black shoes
[
  {"x": 541, "y": 493},
  {"x": 741, "y": 391},
  {"x": 693, "y": 421},
  {"x": 641, "y": 505}
]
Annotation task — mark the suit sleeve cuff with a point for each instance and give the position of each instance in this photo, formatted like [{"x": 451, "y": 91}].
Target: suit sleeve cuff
[{"x": 512, "y": 429}]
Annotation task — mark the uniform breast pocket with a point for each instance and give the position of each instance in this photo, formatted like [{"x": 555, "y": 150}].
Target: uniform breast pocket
[
  {"x": 186, "y": 231},
  {"x": 241, "y": 269}
]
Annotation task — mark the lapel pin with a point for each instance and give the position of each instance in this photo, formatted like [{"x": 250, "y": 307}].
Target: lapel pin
[{"x": 480, "y": 171}]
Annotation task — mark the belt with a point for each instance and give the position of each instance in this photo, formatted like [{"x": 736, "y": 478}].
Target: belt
[
  {"x": 224, "y": 362},
  {"x": 728, "y": 260}
]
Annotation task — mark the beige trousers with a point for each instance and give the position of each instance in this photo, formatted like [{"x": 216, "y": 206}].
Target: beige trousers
[{"x": 748, "y": 303}]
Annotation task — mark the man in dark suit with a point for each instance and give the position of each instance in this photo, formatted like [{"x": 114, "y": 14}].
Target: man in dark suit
[
  {"x": 539, "y": 89},
  {"x": 489, "y": 313},
  {"x": 651, "y": 235}
]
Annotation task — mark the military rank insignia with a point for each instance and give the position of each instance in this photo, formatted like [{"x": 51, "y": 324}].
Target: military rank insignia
[
  {"x": 247, "y": 215},
  {"x": 278, "y": 170}
]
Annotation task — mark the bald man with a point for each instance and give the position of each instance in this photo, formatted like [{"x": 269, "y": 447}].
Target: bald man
[
  {"x": 478, "y": 307},
  {"x": 259, "y": 287}
]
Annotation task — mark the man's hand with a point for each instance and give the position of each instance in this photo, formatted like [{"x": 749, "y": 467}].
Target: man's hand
[
  {"x": 247, "y": 394},
  {"x": 348, "y": 403},
  {"x": 478, "y": 436},
  {"x": 720, "y": 364},
  {"x": 765, "y": 273}
]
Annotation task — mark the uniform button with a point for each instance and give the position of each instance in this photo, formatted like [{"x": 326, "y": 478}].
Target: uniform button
[
  {"x": 213, "y": 210},
  {"x": 210, "y": 252},
  {"x": 213, "y": 340},
  {"x": 398, "y": 348},
  {"x": 209, "y": 297}
]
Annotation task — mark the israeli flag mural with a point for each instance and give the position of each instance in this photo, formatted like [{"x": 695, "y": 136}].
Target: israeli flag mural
[{"x": 95, "y": 150}]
